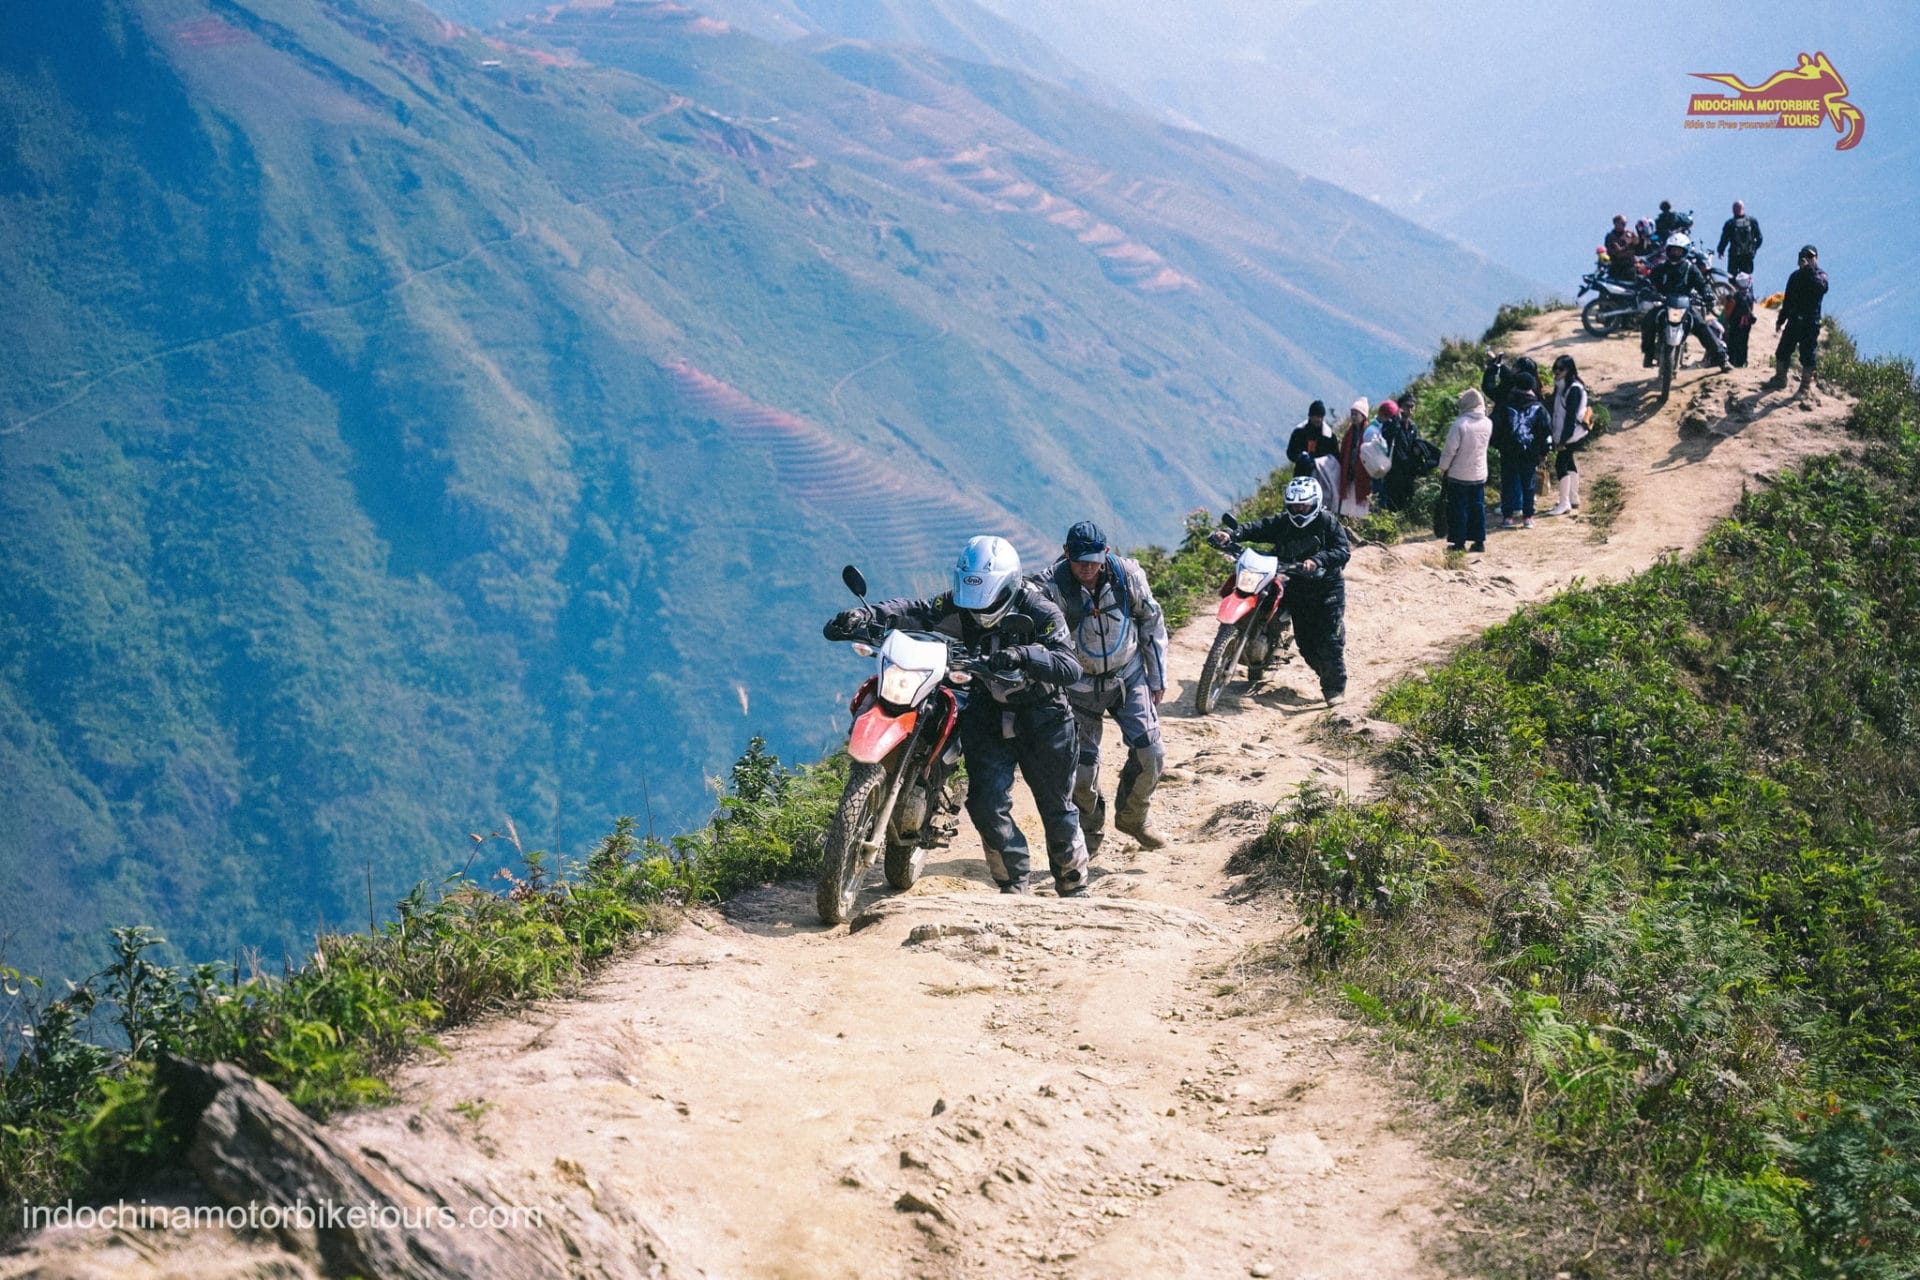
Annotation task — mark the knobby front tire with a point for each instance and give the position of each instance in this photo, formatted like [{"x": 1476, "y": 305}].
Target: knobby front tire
[{"x": 855, "y": 825}]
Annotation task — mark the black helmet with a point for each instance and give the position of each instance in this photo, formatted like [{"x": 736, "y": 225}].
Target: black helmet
[{"x": 1086, "y": 542}]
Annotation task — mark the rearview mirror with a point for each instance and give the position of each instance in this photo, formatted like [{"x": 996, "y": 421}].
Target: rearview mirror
[
  {"x": 1017, "y": 628},
  {"x": 855, "y": 580},
  {"x": 1227, "y": 521}
]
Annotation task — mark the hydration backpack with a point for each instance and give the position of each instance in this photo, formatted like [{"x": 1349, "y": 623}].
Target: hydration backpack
[{"x": 1741, "y": 240}]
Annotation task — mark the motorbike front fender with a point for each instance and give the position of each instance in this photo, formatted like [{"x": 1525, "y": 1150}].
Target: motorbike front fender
[
  {"x": 876, "y": 733},
  {"x": 1235, "y": 607}
]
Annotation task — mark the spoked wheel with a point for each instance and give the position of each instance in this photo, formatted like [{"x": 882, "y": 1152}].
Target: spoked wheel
[
  {"x": 1218, "y": 668},
  {"x": 1596, "y": 321},
  {"x": 856, "y": 825}
]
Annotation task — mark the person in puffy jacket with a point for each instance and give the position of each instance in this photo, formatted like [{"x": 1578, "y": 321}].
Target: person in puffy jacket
[
  {"x": 1521, "y": 438},
  {"x": 1120, "y": 637},
  {"x": 1019, "y": 719},
  {"x": 1567, "y": 431},
  {"x": 1309, "y": 536},
  {"x": 1463, "y": 473}
]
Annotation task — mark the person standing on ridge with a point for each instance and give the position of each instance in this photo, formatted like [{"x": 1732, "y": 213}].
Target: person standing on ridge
[
  {"x": 1668, "y": 222},
  {"x": 1120, "y": 637},
  {"x": 1395, "y": 489},
  {"x": 1308, "y": 535},
  {"x": 1798, "y": 323},
  {"x": 1567, "y": 423},
  {"x": 1739, "y": 318},
  {"x": 1311, "y": 440},
  {"x": 1739, "y": 241},
  {"x": 1520, "y": 435},
  {"x": 1624, "y": 247},
  {"x": 1019, "y": 719},
  {"x": 1354, "y": 496},
  {"x": 1463, "y": 473}
]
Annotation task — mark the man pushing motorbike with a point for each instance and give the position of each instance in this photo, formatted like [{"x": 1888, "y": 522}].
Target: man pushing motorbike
[
  {"x": 1019, "y": 720},
  {"x": 1306, "y": 535},
  {"x": 1120, "y": 637}
]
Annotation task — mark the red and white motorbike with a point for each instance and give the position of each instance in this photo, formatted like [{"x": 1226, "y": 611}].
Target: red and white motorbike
[
  {"x": 1252, "y": 627},
  {"x": 904, "y": 746}
]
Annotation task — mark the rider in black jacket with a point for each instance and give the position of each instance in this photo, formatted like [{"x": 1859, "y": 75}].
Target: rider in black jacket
[
  {"x": 1799, "y": 320},
  {"x": 1678, "y": 276},
  {"x": 1308, "y": 535},
  {"x": 1017, "y": 717}
]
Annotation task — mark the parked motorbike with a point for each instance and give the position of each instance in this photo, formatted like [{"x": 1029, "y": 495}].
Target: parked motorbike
[
  {"x": 901, "y": 786},
  {"x": 1253, "y": 629},
  {"x": 1617, "y": 305}
]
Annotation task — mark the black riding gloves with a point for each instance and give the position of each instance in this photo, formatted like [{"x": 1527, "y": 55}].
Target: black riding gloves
[{"x": 1009, "y": 659}]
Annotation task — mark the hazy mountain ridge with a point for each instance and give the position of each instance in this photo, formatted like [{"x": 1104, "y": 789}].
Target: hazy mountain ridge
[{"x": 396, "y": 442}]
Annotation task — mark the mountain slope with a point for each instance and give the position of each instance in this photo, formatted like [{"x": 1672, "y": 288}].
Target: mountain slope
[{"x": 409, "y": 431}]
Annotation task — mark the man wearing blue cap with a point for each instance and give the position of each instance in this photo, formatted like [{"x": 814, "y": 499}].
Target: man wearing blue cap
[{"x": 1120, "y": 636}]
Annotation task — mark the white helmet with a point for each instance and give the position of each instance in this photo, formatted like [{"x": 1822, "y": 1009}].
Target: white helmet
[
  {"x": 1303, "y": 500},
  {"x": 986, "y": 578},
  {"x": 1679, "y": 240}
]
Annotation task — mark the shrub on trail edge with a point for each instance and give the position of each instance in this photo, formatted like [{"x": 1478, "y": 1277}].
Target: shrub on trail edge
[
  {"x": 1640, "y": 889},
  {"x": 80, "y": 1115}
]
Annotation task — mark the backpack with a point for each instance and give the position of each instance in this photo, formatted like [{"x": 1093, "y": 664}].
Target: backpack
[
  {"x": 1523, "y": 427},
  {"x": 1740, "y": 240}
]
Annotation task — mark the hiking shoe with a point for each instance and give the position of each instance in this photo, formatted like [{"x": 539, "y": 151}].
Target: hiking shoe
[
  {"x": 1015, "y": 886},
  {"x": 1078, "y": 891},
  {"x": 1478, "y": 548},
  {"x": 1527, "y": 523},
  {"x": 1143, "y": 834}
]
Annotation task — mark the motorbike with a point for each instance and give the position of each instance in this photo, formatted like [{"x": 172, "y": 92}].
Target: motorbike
[
  {"x": 901, "y": 787},
  {"x": 1675, "y": 325},
  {"x": 1618, "y": 305},
  {"x": 1252, "y": 627}
]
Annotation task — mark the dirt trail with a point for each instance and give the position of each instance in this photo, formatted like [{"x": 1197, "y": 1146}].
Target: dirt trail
[{"x": 965, "y": 1084}]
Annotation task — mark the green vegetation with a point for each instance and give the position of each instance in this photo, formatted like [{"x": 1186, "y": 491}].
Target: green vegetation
[
  {"x": 1641, "y": 889},
  {"x": 80, "y": 1114}
]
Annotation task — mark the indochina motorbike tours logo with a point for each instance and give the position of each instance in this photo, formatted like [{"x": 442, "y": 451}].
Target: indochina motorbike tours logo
[{"x": 1810, "y": 95}]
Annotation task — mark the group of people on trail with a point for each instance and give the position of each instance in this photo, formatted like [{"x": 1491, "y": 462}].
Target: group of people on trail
[
  {"x": 1673, "y": 271},
  {"x": 1372, "y": 466},
  {"x": 1511, "y": 415},
  {"x": 1096, "y": 648}
]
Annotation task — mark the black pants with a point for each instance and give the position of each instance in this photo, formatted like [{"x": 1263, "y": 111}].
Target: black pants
[
  {"x": 1320, "y": 628},
  {"x": 1564, "y": 460},
  {"x": 1039, "y": 740},
  {"x": 1801, "y": 333},
  {"x": 1738, "y": 262},
  {"x": 1737, "y": 335}
]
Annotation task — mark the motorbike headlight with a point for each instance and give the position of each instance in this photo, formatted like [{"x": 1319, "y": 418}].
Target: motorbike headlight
[
  {"x": 1248, "y": 581},
  {"x": 899, "y": 684},
  {"x": 1676, "y": 314}
]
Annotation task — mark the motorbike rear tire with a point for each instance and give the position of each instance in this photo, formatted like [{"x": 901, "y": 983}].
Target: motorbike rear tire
[
  {"x": 855, "y": 824},
  {"x": 1595, "y": 321},
  {"x": 1218, "y": 668},
  {"x": 1667, "y": 358}
]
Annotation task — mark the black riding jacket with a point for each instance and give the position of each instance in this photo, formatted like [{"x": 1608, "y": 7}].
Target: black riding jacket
[
  {"x": 1683, "y": 277},
  {"x": 1322, "y": 539},
  {"x": 1048, "y": 662},
  {"x": 1806, "y": 288}
]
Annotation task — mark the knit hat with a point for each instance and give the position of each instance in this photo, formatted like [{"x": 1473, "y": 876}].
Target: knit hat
[
  {"x": 1471, "y": 401},
  {"x": 1359, "y": 406},
  {"x": 1318, "y": 409}
]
